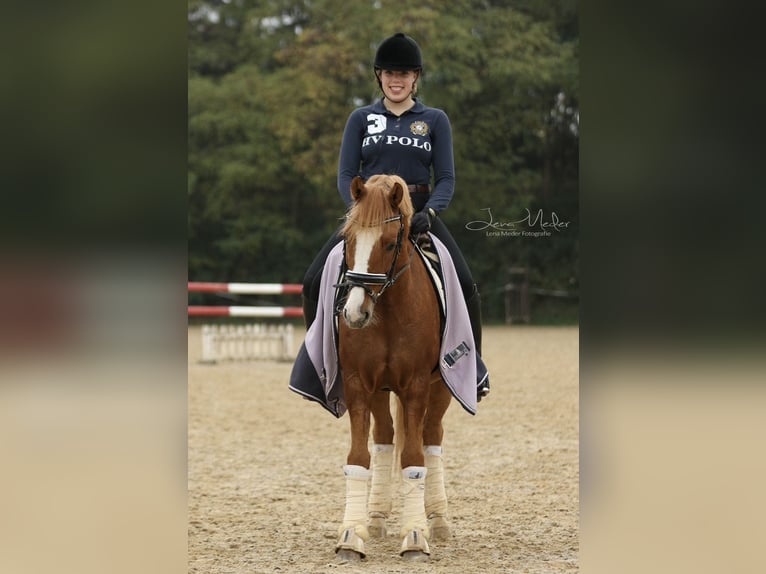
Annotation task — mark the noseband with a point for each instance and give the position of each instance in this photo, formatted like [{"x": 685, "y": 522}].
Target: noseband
[{"x": 367, "y": 280}]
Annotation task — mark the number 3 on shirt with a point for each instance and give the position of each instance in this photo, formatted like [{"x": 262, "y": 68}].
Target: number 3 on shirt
[{"x": 377, "y": 123}]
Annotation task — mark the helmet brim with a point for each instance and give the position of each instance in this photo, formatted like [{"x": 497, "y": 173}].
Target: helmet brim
[{"x": 396, "y": 67}]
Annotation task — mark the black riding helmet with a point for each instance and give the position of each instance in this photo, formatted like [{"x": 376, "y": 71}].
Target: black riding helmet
[{"x": 399, "y": 53}]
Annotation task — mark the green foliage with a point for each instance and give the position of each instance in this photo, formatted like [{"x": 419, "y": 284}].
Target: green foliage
[{"x": 271, "y": 83}]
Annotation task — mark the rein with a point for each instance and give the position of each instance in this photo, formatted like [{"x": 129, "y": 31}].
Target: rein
[{"x": 367, "y": 280}]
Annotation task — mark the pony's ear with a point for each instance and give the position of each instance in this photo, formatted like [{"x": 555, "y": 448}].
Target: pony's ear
[
  {"x": 357, "y": 188},
  {"x": 397, "y": 192}
]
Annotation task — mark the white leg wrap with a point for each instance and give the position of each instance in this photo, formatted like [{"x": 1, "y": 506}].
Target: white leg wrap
[
  {"x": 380, "y": 488},
  {"x": 413, "y": 511},
  {"x": 436, "y": 497},
  {"x": 356, "y": 500}
]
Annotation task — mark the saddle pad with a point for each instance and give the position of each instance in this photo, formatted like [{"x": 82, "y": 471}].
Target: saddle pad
[{"x": 316, "y": 373}]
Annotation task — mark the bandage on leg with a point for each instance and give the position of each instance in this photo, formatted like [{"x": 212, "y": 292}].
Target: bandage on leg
[
  {"x": 355, "y": 514},
  {"x": 413, "y": 511},
  {"x": 379, "y": 505}
]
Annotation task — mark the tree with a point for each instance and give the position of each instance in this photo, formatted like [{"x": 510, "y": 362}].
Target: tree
[{"x": 272, "y": 83}]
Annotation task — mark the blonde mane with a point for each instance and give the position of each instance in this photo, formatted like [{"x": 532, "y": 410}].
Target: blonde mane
[{"x": 374, "y": 207}]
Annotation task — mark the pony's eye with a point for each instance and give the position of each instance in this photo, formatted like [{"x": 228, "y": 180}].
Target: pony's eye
[{"x": 390, "y": 246}]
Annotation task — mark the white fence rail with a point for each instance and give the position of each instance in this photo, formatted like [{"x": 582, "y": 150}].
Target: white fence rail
[{"x": 247, "y": 343}]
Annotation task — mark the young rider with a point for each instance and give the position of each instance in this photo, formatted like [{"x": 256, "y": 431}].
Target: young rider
[{"x": 400, "y": 135}]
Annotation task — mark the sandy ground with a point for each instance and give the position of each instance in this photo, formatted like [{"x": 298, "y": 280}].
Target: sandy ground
[{"x": 266, "y": 490}]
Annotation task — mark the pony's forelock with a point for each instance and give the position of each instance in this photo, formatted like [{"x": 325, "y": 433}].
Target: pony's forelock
[{"x": 375, "y": 205}]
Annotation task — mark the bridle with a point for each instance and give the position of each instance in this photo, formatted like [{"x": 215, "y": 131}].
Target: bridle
[{"x": 368, "y": 280}]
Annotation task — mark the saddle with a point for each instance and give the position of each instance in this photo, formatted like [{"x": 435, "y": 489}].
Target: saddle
[{"x": 427, "y": 251}]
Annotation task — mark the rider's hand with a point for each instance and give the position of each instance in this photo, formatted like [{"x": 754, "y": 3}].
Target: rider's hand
[{"x": 421, "y": 222}]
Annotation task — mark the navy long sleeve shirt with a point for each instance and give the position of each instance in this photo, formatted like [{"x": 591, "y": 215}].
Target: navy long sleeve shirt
[{"x": 375, "y": 141}]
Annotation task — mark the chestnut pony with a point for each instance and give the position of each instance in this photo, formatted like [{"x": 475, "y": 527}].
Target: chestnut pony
[{"x": 389, "y": 341}]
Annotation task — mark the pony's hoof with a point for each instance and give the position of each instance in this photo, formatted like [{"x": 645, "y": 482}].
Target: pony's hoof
[
  {"x": 415, "y": 547},
  {"x": 377, "y": 527},
  {"x": 344, "y": 556},
  {"x": 439, "y": 528},
  {"x": 350, "y": 547},
  {"x": 414, "y": 556}
]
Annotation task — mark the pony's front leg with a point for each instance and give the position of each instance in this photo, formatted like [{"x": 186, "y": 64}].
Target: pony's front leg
[
  {"x": 414, "y": 530},
  {"x": 353, "y": 531}
]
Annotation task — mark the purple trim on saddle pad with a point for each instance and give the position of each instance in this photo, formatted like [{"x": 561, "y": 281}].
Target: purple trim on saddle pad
[{"x": 320, "y": 380}]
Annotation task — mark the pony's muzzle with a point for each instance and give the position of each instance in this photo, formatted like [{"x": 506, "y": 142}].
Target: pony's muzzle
[
  {"x": 357, "y": 312},
  {"x": 357, "y": 323}
]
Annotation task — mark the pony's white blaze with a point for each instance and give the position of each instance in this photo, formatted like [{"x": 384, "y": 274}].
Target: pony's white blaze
[{"x": 365, "y": 241}]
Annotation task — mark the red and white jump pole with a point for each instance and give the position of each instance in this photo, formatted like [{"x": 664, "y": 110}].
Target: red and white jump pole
[
  {"x": 239, "y": 311},
  {"x": 245, "y": 289}
]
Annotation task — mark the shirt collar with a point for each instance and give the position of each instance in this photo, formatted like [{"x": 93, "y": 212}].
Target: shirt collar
[{"x": 379, "y": 107}]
